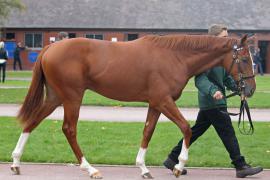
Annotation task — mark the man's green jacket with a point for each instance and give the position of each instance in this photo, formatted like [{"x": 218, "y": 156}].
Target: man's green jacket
[{"x": 211, "y": 81}]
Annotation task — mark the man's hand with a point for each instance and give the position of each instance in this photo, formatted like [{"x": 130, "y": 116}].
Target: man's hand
[{"x": 218, "y": 95}]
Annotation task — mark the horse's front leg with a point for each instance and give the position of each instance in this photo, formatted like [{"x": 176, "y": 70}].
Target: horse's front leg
[
  {"x": 150, "y": 124},
  {"x": 183, "y": 157},
  {"x": 169, "y": 109},
  {"x": 71, "y": 114}
]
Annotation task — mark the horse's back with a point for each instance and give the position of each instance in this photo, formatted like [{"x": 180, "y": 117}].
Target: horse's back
[
  {"x": 118, "y": 70},
  {"x": 92, "y": 64}
]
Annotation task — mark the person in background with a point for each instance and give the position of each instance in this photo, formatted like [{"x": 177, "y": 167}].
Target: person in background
[
  {"x": 212, "y": 102},
  {"x": 17, "y": 56},
  {"x": 62, "y": 35},
  {"x": 258, "y": 61},
  {"x": 3, "y": 61}
]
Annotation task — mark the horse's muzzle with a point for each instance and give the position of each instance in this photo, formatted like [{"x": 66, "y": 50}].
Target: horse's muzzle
[{"x": 248, "y": 91}]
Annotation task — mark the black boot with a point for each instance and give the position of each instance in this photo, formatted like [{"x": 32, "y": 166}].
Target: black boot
[
  {"x": 243, "y": 169},
  {"x": 247, "y": 170},
  {"x": 169, "y": 164}
]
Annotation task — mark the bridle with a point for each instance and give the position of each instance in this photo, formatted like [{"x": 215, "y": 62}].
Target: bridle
[{"x": 241, "y": 85}]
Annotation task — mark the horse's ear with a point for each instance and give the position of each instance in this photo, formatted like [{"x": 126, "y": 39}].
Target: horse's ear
[{"x": 244, "y": 39}]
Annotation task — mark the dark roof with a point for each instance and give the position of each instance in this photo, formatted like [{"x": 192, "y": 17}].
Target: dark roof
[{"x": 142, "y": 14}]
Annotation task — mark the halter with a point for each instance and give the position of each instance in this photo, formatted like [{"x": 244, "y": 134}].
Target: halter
[{"x": 241, "y": 84}]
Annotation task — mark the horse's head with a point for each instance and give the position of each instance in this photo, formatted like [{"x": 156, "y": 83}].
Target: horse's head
[{"x": 239, "y": 63}]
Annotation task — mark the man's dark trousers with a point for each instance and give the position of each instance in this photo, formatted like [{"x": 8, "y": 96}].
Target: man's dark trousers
[{"x": 223, "y": 126}]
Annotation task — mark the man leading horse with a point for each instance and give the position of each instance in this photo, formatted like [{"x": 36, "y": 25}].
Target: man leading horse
[{"x": 212, "y": 102}]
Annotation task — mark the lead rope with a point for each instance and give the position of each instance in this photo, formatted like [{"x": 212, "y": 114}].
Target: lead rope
[
  {"x": 241, "y": 120},
  {"x": 244, "y": 106}
]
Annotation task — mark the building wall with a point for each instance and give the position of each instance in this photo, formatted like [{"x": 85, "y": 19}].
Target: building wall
[
  {"x": 120, "y": 35},
  {"x": 20, "y": 37}
]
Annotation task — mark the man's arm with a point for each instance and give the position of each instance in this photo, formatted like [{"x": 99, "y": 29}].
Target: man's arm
[{"x": 205, "y": 86}]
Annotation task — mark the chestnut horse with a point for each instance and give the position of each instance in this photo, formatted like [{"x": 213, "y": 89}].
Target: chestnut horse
[{"x": 151, "y": 69}]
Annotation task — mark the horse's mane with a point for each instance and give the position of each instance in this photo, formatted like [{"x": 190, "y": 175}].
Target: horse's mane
[{"x": 195, "y": 42}]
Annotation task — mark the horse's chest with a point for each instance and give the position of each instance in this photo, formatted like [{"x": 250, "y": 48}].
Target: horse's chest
[{"x": 176, "y": 86}]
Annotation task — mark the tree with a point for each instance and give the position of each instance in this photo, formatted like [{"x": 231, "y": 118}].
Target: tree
[{"x": 5, "y": 7}]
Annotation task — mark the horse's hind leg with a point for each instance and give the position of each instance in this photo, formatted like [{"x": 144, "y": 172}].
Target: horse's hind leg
[
  {"x": 169, "y": 109},
  {"x": 71, "y": 114},
  {"x": 47, "y": 108},
  {"x": 150, "y": 124}
]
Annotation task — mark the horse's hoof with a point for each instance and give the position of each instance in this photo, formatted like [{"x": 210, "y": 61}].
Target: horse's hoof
[
  {"x": 147, "y": 176},
  {"x": 15, "y": 170},
  {"x": 96, "y": 175},
  {"x": 176, "y": 172}
]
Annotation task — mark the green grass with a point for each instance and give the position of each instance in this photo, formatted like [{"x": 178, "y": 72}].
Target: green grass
[
  {"x": 118, "y": 143},
  {"x": 16, "y": 83},
  {"x": 19, "y": 74},
  {"x": 12, "y": 95}
]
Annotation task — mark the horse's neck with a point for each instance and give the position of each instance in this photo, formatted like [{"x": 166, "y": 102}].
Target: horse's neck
[{"x": 199, "y": 63}]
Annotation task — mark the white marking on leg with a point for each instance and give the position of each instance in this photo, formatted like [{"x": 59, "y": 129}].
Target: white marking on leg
[
  {"x": 17, "y": 153},
  {"x": 140, "y": 160},
  {"x": 183, "y": 157},
  {"x": 85, "y": 166}
]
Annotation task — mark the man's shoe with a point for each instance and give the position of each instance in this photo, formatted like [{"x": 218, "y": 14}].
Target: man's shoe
[
  {"x": 247, "y": 170},
  {"x": 169, "y": 164}
]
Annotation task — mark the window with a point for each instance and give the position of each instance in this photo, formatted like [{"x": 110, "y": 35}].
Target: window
[
  {"x": 131, "y": 37},
  {"x": 10, "y": 36},
  {"x": 33, "y": 40},
  {"x": 94, "y": 36},
  {"x": 71, "y": 35}
]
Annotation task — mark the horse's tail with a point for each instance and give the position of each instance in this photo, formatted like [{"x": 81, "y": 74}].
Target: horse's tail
[{"x": 35, "y": 96}]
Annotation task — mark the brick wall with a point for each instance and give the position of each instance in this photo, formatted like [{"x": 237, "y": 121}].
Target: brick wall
[{"x": 108, "y": 35}]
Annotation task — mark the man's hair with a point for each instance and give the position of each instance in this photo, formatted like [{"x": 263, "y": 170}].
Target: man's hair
[
  {"x": 216, "y": 29},
  {"x": 63, "y": 35}
]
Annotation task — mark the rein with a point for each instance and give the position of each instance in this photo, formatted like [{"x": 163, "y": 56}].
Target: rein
[
  {"x": 241, "y": 120},
  {"x": 244, "y": 104}
]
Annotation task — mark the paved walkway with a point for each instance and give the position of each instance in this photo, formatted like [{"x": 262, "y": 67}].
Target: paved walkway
[
  {"x": 68, "y": 172},
  {"x": 126, "y": 114}
]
